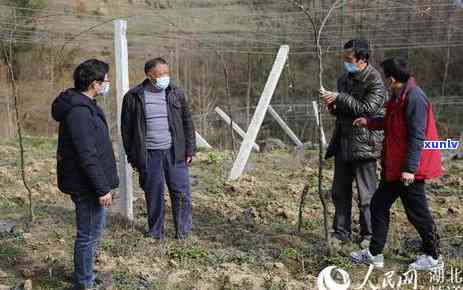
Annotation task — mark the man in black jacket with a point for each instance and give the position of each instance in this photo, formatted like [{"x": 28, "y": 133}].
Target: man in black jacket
[
  {"x": 159, "y": 139},
  {"x": 361, "y": 92},
  {"x": 86, "y": 165}
]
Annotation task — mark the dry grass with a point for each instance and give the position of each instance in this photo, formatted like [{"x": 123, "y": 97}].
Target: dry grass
[{"x": 243, "y": 234}]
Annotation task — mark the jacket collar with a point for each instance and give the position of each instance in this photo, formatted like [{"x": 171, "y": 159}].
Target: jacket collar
[
  {"x": 362, "y": 75},
  {"x": 69, "y": 99},
  {"x": 410, "y": 85},
  {"x": 139, "y": 91}
]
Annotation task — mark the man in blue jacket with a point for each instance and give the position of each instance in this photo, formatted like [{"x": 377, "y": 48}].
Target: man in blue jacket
[{"x": 86, "y": 165}]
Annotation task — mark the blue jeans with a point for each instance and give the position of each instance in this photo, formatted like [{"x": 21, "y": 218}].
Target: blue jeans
[
  {"x": 163, "y": 168},
  {"x": 90, "y": 221}
]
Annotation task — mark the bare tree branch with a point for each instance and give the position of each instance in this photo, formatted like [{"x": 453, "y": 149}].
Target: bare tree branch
[
  {"x": 308, "y": 13},
  {"x": 317, "y": 31},
  {"x": 228, "y": 95},
  {"x": 318, "y": 45},
  {"x": 301, "y": 207},
  {"x": 8, "y": 54},
  {"x": 75, "y": 36}
]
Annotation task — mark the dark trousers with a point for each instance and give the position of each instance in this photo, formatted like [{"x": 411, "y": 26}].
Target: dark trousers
[
  {"x": 416, "y": 207},
  {"x": 163, "y": 169},
  {"x": 364, "y": 174},
  {"x": 90, "y": 221}
]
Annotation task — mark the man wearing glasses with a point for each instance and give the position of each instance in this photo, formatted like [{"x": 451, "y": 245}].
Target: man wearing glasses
[{"x": 86, "y": 165}]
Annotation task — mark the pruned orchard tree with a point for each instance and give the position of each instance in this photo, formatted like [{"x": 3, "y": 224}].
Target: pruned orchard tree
[
  {"x": 317, "y": 27},
  {"x": 8, "y": 54}
]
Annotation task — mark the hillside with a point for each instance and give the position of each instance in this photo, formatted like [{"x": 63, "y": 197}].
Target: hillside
[{"x": 221, "y": 52}]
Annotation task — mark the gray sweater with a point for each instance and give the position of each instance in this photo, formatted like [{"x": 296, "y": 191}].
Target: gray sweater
[{"x": 157, "y": 125}]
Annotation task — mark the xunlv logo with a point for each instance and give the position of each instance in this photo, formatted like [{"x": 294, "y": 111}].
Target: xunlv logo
[{"x": 449, "y": 145}]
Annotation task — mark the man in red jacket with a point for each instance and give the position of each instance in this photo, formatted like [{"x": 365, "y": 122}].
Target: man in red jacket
[{"x": 408, "y": 122}]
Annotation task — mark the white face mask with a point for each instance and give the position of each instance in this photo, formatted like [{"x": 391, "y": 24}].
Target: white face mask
[
  {"x": 104, "y": 89},
  {"x": 162, "y": 83}
]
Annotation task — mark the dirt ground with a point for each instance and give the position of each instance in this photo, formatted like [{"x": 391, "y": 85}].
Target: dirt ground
[{"x": 244, "y": 234}]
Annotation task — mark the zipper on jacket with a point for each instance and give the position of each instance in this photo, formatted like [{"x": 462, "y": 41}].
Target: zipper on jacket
[
  {"x": 141, "y": 98},
  {"x": 170, "y": 95}
]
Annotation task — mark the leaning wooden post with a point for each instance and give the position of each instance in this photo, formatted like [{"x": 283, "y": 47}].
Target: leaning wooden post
[
  {"x": 285, "y": 127},
  {"x": 201, "y": 142},
  {"x": 235, "y": 126},
  {"x": 123, "y": 204},
  {"x": 259, "y": 115}
]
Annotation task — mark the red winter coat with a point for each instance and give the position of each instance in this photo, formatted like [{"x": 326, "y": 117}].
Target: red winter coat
[{"x": 396, "y": 139}]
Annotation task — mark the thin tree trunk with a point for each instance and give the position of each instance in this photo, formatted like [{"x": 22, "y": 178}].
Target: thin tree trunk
[
  {"x": 317, "y": 35},
  {"x": 51, "y": 68},
  {"x": 248, "y": 93},
  {"x": 8, "y": 55},
  {"x": 301, "y": 207},
  {"x": 228, "y": 96},
  {"x": 206, "y": 95},
  {"x": 446, "y": 72},
  {"x": 9, "y": 117},
  {"x": 447, "y": 61},
  {"x": 185, "y": 75},
  {"x": 177, "y": 60}
]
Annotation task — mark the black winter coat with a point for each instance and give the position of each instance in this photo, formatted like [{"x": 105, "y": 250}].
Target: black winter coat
[
  {"x": 86, "y": 163},
  {"x": 133, "y": 125},
  {"x": 360, "y": 95}
]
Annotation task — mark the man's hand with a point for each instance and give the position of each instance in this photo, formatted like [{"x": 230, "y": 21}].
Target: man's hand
[
  {"x": 189, "y": 160},
  {"x": 407, "y": 178},
  {"x": 132, "y": 166},
  {"x": 327, "y": 96},
  {"x": 105, "y": 200},
  {"x": 360, "y": 122}
]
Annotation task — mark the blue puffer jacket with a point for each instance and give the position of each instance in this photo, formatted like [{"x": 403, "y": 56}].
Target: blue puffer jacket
[{"x": 85, "y": 158}]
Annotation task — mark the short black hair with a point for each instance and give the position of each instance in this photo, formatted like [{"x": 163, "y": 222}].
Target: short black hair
[
  {"x": 89, "y": 71},
  {"x": 360, "y": 48},
  {"x": 397, "y": 68},
  {"x": 153, "y": 63}
]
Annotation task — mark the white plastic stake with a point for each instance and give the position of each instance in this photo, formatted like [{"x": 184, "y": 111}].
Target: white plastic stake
[
  {"x": 201, "y": 141},
  {"x": 285, "y": 127},
  {"x": 235, "y": 126},
  {"x": 123, "y": 205},
  {"x": 259, "y": 114}
]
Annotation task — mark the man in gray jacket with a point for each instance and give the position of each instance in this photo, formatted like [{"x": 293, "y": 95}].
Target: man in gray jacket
[{"x": 360, "y": 93}]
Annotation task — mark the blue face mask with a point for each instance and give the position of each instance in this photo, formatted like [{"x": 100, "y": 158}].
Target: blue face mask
[
  {"x": 350, "y": 67},
  {"x": 162, "y": 83}
]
